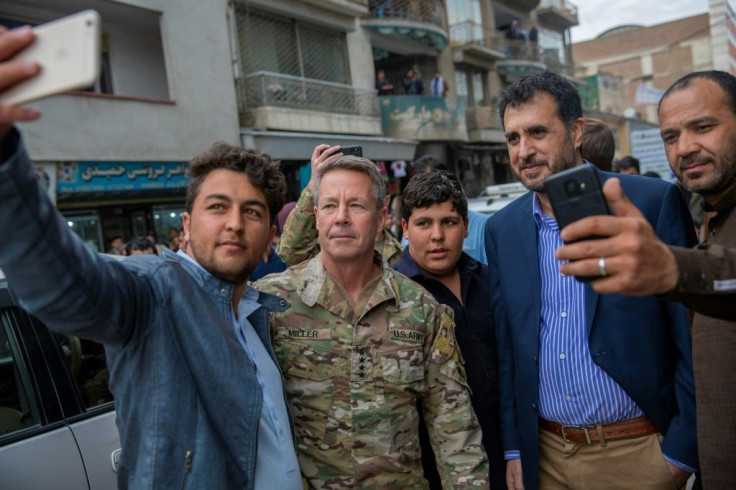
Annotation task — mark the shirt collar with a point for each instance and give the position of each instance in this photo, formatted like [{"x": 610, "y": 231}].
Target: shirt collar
[{"x": 728, "y": 201}]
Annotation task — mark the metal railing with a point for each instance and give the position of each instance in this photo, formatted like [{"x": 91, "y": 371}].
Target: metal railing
[
  {"x": 562, "y": 5},
  {"x": 482, "y": 117},
  {"x": 471, "y": 33},
  {"x": 430, "y": 11},
  {"x": 264, "y": 88}
]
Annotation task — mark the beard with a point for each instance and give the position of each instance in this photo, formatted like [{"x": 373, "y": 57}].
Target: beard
[
  {"x": 235, "y": 273},
  {"x": 563, "y": 160},
  {"x": 722, "y": 174}
]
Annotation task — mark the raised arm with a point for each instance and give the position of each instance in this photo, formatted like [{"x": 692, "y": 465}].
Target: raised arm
[
  {"x": 54, "y": 275},
  {"x": 299, "y": 236}
]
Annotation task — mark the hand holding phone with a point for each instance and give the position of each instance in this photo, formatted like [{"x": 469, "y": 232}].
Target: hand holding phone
[
  {"x": 14, "y": 72},
  {"x": 68, "y": 52},
  {"x": 356, "y": 151},
  {"x": 575, "y": 194}
]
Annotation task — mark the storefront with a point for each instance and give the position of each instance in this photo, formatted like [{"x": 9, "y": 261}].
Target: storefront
[{"x": 101, "y": 200}]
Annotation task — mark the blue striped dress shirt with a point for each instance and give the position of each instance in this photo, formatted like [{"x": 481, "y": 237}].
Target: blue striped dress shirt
[{"x": 573, "y": 390}]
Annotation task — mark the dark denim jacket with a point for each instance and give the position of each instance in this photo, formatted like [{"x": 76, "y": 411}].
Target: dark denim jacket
[
  {"x": 476, "y": 337},
  {"x": 186, "y": 394}
]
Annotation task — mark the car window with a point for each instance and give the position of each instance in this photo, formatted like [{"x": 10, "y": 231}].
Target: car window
[
  {"x": 86, "y": 361},
  {"x": 18, "y": 408}
]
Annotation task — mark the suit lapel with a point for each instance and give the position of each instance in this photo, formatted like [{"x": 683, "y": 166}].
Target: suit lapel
[{"x": 527, "y": 267}]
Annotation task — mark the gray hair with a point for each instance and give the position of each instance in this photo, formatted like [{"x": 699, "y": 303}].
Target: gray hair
[{"x": 356, "y": 164}]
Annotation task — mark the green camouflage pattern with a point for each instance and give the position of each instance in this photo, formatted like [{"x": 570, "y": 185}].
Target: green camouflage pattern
[
  {"x": 299, "y": 237},
  {"x": 353, "y": 380}
]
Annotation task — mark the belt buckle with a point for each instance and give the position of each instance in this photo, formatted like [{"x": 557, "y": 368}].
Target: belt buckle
[{"x": 584, "y": 428}]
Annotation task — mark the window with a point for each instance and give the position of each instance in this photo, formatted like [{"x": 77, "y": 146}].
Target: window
[
  {"x": 461, "y": 82},
  {"x": 87, "y": 225},
  {"x": 459, "y": 11},
  {"x": 478, "y": 88},
  {"x": 18, "y": 408},
  {"x": 164, "y": 219},
  {"x": 88, "y": 367},
  {"x": 279, "y": 44},
  {"x": 132, "y": 55}
]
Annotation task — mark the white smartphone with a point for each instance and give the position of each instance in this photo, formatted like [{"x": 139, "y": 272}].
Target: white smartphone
[{"x": 68, "y": 50}]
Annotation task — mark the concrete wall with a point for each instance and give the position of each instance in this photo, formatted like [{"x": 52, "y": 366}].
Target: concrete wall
[
  {"x": 199, "y": 82},
  {"x": 718, "y": 34}
]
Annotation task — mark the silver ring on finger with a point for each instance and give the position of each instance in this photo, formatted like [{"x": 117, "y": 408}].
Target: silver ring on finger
[{"x": 602, "y": 266}]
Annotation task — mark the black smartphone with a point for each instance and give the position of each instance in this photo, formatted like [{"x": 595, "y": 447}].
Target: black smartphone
[
  {"x": 356, "y": 151},
  {"x": 575, "y": 194}
]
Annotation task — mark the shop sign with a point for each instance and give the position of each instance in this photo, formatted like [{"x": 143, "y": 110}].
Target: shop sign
[
  {"x": 418, "y": 117},
  {"x": 76, "y": 177}
]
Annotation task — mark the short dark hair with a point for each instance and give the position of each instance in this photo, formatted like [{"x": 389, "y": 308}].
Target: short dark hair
[
  {"x": 726, "y": 81},
  {"x": 598, "y": 145},
  {"x": 626, "y": 162},
  {"x": 434, "y": 187},
  {"x": 262, "y": 172},
  {"x": 569, "y": 107},
  {"x": 139, "y": 243}
]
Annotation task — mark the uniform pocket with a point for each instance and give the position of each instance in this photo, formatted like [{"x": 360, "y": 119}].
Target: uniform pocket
[{"x": 403, "y": 366}]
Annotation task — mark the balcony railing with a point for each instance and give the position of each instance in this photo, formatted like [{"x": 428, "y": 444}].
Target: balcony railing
[
  {"x": 264, "y": 88},
  {"x": 473, "y": 34},
  {"x": 429, "y": 11},
  {"x": 483, "y": 117},
  {"x": 561, "y": 5}
]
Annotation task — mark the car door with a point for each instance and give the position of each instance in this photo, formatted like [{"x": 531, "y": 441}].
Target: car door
[{"x": 57, "y": 424}]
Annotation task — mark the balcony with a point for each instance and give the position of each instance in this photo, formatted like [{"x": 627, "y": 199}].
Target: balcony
[
  {"x": 268, "y": 100},
  {"x": 558, "y": 14},
  {"x": 473, "y": 44},
  {"x": 521, "y": 59},
  {"x": 410, "y": 21},
  {"x": 418, "y": 117}
]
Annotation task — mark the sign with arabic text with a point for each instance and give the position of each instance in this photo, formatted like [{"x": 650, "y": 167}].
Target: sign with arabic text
[
  {"x": 419, "y": 117},
  {"x": 77, "y": 177}
]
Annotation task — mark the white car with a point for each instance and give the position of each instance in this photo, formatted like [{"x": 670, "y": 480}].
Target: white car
[
  {"x": 57, "y": 419},
  {"x": 494, "y": 197}
]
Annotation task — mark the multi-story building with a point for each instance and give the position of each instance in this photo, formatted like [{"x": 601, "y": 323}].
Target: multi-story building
[
  {"x": 281, "y": 76},
  {"x": 116, "y": 153},
  {"x": 722, "y": 17},
  {"x": 648, "y": 59}
]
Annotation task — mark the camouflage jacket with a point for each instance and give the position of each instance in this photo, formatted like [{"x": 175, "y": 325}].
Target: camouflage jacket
[
  {"x": 299, "y": 236},
  {"x": 353, "y": 382}
]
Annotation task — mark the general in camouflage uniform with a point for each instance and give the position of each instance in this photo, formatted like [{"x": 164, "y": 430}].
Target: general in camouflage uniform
[
  {"x": 354, "y": 372},
  {"x": 299, "y": 236}
]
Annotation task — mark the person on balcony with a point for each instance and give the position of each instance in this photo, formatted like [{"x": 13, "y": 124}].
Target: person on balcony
[
  {"x": 413, "y": 84},
  {"x": 438, "y": 86},
  {"x": 383, "y": 86}
]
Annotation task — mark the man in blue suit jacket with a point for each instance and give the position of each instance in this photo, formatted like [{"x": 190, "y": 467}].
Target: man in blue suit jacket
[{"x": 596, "y": 391}]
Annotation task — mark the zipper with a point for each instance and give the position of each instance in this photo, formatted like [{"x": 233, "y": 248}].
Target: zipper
[{"x": 187, "y": 467}]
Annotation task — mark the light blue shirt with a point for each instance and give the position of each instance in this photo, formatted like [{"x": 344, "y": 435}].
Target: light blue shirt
[
  {"x": 475, "y": 243},
  {"x": 276, "y": 462}
]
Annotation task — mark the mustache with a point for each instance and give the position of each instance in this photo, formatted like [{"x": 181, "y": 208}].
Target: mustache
[
  {"x": 693, "y": 160},
  {"x": 342, "y": 230},
  {"x": 531, "y": 162}
]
